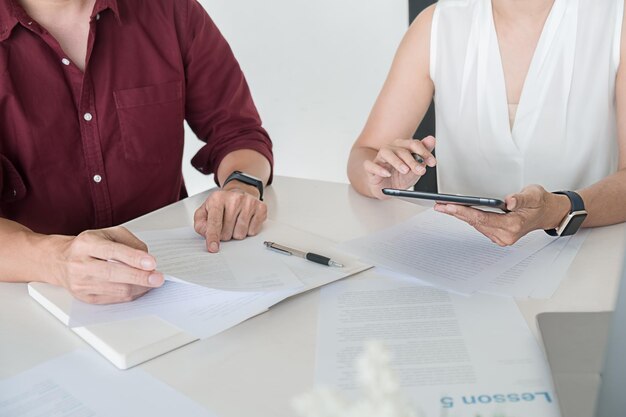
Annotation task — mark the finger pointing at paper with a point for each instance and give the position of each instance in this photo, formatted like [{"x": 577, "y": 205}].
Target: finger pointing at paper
[
  {"x": 237, "y": 209},
  {"x": 229, "y": 214}
]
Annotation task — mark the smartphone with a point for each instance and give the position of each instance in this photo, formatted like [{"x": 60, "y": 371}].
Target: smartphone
[{"x": 448, "y": 198}]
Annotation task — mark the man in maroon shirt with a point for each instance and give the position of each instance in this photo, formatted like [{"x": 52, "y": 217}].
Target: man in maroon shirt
[{"x": 93, "y": 96}]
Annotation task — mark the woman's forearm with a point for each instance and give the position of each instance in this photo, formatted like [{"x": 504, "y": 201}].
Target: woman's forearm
[
  {"x": 356, "y": 173},
  {"x": 605, "y": 201}
]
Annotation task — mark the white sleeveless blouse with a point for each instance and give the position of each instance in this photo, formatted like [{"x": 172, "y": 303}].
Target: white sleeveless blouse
[{"x": 564, "y": 135}]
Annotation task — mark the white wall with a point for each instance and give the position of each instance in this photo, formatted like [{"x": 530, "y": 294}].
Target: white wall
[{"x": 315, "y": 68}]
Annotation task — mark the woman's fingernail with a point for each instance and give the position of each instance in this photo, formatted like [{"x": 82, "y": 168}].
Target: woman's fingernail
[
  {"x": 421, "y": 171},
  {"x": 386, "y": 174},
  {"x": 156, "y": 280},
  {"x": 431, "y": 162},
  {"x": 404, "y": 169},
  {"x": 214, "y": 247},
  {"x": 513, "y": 204},
  {"x": 147, "y": 263}
]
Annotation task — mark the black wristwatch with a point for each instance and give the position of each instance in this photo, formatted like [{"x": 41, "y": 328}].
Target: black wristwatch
[
  {"x": 575, "y": 218},
  {"x": 246, "y": 179}
]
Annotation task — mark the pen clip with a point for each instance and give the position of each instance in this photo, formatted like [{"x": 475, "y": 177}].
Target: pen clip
[{"x": 270, "y": 246}]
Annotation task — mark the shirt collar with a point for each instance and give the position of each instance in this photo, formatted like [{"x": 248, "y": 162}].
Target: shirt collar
[
  {"x": 102, "y": 5},
  {"x": 8, "y": 18},
  {"x": 11, "y": 11}
]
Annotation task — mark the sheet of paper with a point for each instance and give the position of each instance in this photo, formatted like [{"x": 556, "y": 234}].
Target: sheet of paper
[
  {"x": 539, "y": 275},
  {"x": 204, "y": 312},
  {"x": 200, "y": 319},
  {"x": 443, "y": 251},
  {"x": 521, "y": 280},
  {"x": 81, "y": 384},
  {"x": 454, "y": 355},
  {"x": 206, "y": 319},
  {"x": 552, "y": 277},
  {"x": 239, "y": 266},
  {"x": 167, "y": 302}
]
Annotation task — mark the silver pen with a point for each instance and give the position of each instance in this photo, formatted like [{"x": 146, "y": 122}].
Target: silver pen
[{"x": 313, "y": 257}]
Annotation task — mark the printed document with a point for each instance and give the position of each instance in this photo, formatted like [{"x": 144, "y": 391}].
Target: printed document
[
  {"x": 551, "y": 278},
  {"x": 539, "y": 275},
  {"x": 200, "y": 311},
  {"x": 204, "y": 312},
  {"x": 204, "y": 317},
  {"x": 454, "y": 355},
  {"x": 444, "y": 251},
  {"x": 80, "y": 384},
  {"x": 238, "y": 266}
]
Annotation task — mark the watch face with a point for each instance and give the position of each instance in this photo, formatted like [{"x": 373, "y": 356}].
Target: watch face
[{"x": 574, "y": 224}]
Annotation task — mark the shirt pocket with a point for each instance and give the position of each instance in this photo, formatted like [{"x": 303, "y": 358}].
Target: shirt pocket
[
  {"x": 12, "y": 187},
  {"x": 151, "y": 121}
]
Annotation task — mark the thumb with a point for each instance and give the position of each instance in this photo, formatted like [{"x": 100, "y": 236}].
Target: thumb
[
  {"x": 429, "y": 142},
  {"x": 531, "y": 197},
  {"x": 122, "y": 235},
  {"x": 516, "y": 202}
]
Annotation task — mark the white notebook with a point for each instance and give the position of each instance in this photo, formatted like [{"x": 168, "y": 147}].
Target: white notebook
[{"x": 125, "y": 343}]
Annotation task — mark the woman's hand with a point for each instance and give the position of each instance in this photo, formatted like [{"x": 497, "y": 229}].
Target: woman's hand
[
  {"x": 395, "y": 166},
  {"x": 532, "y": 209}
]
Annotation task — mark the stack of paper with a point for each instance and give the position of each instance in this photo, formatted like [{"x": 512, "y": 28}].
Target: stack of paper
[
  {"x": 77, "y": 384},
  {"x": 443, "y": 251},
  {"x": 453, "y": 355},
  {"x": 204, "y": 293}
]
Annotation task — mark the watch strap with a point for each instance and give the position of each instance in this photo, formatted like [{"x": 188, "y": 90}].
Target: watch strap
[
  {"x": 577, "y": 204},
  {"x": 246, "y": 179},
  {"x": 575, "y": 199}
]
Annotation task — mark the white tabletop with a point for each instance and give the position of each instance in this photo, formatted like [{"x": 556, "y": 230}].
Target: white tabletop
[{"x": 255, "y": 368}]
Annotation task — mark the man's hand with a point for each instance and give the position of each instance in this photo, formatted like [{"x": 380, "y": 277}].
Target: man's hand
[
  {"x": 106, "y": 266},
  {"x": 532, "y": 209},
  {"x": 233, "y": 212}
]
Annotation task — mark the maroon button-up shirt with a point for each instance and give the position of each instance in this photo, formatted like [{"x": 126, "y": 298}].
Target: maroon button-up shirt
[{"x": 81, "y": 150}]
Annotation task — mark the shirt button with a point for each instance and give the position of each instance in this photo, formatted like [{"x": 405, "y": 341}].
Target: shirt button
[
  {"x": 98, "y": 16},
  {"x": 87, "y": 116},
  {"x": 97, "y": 179},
  {"x": 65, "y": 61}
]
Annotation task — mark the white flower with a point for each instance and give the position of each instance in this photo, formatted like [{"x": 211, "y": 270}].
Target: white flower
[{"x": 383, "y": 396}]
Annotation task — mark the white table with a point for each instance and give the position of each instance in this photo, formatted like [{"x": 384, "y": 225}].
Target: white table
[{"x": 254, "y": 369}]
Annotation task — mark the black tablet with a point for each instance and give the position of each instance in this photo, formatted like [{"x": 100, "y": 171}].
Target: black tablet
[{"x": 448, "y": 198}]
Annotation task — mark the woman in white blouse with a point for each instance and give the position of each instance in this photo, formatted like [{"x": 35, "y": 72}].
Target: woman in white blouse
[{"x": 526, "y": 92}]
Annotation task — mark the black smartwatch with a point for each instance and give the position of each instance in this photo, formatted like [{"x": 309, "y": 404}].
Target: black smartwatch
[
  {"x": 246, "y": 179},
  {"x": 575, "y": 218}
]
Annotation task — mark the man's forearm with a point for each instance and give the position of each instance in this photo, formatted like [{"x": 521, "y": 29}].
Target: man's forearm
[
  {"x": 245, "y": 160},
  {"x": 25, "y": 256}
]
